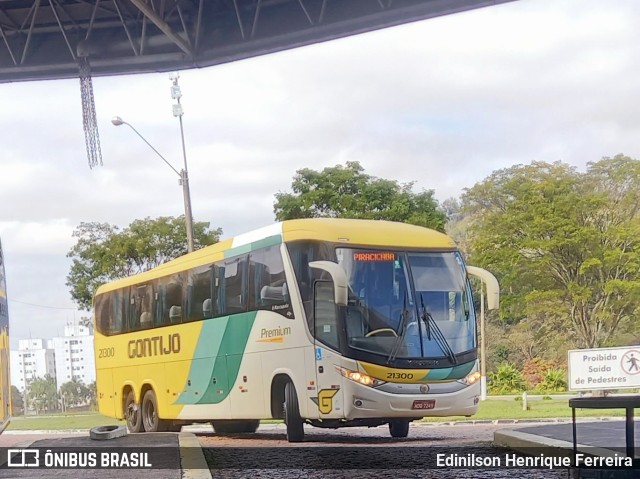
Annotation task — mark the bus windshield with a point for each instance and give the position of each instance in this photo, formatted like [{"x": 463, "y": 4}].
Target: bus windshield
[{"x": 408, "y": 304}]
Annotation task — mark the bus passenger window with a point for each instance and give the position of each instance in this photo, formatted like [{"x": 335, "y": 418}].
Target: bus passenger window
[
  {"x": 175, "y": 314},
  {"x": 173, "y": 301},
  {"x": 207, "y": 308},
  {"x": 234, "y": 287}
]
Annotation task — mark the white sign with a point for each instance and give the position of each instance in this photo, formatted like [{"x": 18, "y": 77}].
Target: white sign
[{"x": 605, "y": 368}]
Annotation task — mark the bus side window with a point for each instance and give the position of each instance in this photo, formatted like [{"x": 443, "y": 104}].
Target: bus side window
[
  {"x": 173, "y": 300},
  {"x": 132, "y": 315},
  {"x": 235, "y": 285},
  {"x": 199, "y": 304},
  {"x": 103, "y": 313},
  {"x": 267, "y": 282},
  {"x": 145, "y": 299}
]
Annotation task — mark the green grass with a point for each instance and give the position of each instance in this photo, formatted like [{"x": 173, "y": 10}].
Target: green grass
[
  {"x": 538, "y": 409},
  {"x": 490, "y": 409},
  {"x": 57, "y": 422}
]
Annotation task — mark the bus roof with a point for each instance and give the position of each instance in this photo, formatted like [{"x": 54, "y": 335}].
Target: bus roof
[{"x": 373, "y": 233}]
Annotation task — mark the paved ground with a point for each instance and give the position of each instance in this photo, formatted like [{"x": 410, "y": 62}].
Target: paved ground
[
  {"x": 350, "y": 453},
  {"x": 133, "y": 453}
]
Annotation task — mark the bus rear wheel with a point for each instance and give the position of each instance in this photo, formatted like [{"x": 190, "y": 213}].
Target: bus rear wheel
[
  {"x": 399, "y": 428},
  {"x": 132, "y": 413},
  {"x": 235, "y": 426},
  {"x": 150, "y": 419},
  {"x": 295, "y": 429}
]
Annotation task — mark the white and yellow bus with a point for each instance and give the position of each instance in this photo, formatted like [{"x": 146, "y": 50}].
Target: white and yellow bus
[
  {"x": 5, "y": 378},
  {"x": 328, "y": 322}
]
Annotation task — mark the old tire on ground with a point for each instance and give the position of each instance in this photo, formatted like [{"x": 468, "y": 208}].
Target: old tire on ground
[
  {"x": 150, "y": 419},
  {"x": 235, "y": 426},
  {"x": 295, "y": 429},
  {"x": 133, "y": 414},
  {"x": 399, "y": 428},
  {"x": 102, "y": 433}
]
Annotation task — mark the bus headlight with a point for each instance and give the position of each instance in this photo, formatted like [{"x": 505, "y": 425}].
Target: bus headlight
[
  {"x": 359, "y": 377},
  {"x": 470, "y": 379}
]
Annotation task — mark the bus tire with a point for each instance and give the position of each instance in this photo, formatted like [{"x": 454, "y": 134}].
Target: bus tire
[
  {"x": 235, "y": 426},
  {"x": 295, "y": 429},
  {"x": 150, "y": 419},
  {"x": 132, "y": 413},
  {"x": 399, "y": 428},
  {"x": 101, "y": 433}
]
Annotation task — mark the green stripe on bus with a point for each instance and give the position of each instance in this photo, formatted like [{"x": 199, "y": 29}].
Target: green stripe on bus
[
  {"x": 217, "y": 359},
  {"x": 247, "y": 248},
  {"x": 456, "y": 372}
]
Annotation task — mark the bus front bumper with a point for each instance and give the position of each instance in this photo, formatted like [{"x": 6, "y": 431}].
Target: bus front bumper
[{"x": 365, "y": 402}]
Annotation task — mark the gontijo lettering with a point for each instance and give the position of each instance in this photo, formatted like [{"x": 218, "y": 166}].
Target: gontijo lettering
[{"x": 154, "y": 346}]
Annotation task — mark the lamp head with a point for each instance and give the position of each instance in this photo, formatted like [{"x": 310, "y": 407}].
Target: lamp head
[{"x": 117, "y": 121}]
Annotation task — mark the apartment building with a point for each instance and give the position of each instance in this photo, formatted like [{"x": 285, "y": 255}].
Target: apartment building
[
  {"x": 35, "y": 358},
  {"x": 64, "y": 358}
]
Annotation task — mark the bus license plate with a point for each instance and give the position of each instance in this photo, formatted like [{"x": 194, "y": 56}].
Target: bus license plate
[{"x": 424, "y": 404}]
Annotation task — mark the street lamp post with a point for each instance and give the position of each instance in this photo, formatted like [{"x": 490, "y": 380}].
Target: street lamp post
[
  {"x": 176, "y": 94},
  {"x": 184, "y": 180}
]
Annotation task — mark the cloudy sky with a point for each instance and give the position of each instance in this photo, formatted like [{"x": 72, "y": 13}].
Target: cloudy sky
[{"x": 442, "y": 103}]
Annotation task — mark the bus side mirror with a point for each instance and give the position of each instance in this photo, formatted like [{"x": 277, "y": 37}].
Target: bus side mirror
[
  {"x": 490, "y": 282},
  {"x": 339, "y": 278}
]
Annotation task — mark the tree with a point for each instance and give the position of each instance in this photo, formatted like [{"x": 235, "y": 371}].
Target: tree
[
  {"x": 86, "y": 322},
  {"x": 74, "y": 393},
  {"x": 17, "y": 402},
  {"x": 92, "y": 390},
  {"x": 348, "y": 192},
  {"x": 102, "y": 253},
  {"x": 564, "y": 243},
  {"x": 42, "y": 394}
]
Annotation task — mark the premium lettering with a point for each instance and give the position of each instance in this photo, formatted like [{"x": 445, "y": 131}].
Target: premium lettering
[{"x": 273, "y": 333}]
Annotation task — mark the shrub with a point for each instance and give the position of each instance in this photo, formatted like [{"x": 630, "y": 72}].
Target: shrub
[
  {"x": 507, "y": 380},
  {"x": 554, "y": 380},
  {"x": 534, "y": 370}
]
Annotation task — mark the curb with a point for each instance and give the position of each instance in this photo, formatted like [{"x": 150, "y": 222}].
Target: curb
[
  {"x": 192, "y": 461},
  {"x": 485, "y": 422},
  {"x": 524, "y": 442}
]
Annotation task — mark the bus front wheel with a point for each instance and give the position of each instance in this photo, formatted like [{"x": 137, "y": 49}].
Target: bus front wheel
[
  {"x": 295, "y": 429},
  {"x": 132, "y": 413},
  {"x": 150, "y": 419},
  {"x": 399, "y": 428}
]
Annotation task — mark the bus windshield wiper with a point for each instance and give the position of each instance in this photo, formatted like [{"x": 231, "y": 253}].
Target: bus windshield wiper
[
  {"x": 432, "y": 326},
  {"x": 402, "y": 330}
]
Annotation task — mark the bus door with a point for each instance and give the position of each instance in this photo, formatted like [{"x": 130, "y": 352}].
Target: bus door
[{"x": 328, "y": 379}]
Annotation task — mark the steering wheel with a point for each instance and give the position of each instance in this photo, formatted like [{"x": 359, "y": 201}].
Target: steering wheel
[{"x": 381, "y": 330}]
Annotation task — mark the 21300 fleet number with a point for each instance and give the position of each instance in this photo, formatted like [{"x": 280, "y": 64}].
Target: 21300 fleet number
[{"x": 399, "y": 375}]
